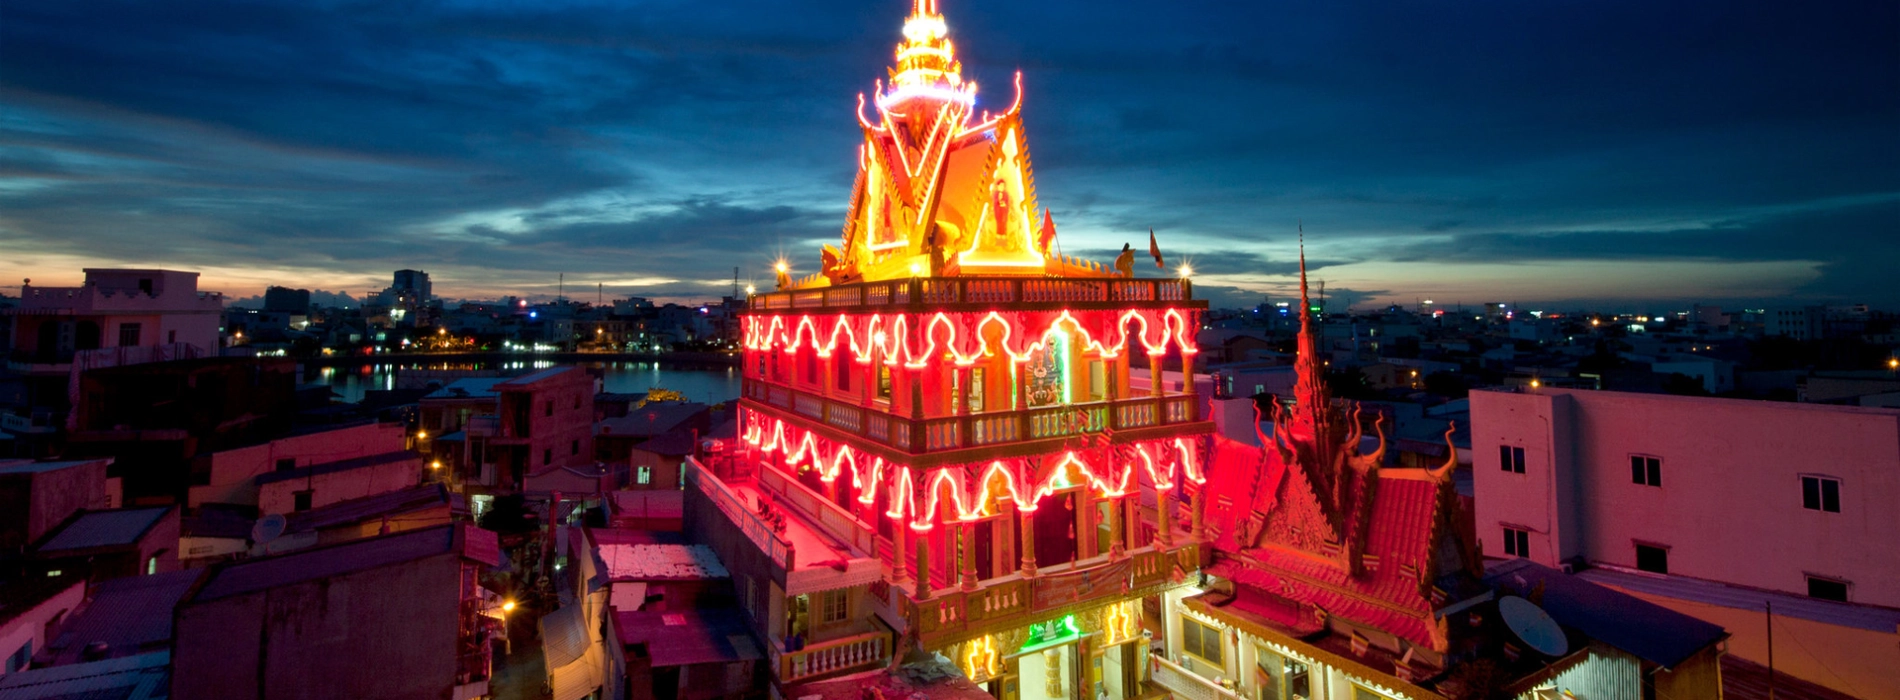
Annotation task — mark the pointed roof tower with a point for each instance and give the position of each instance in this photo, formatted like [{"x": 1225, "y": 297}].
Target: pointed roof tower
[{"x": 1314, "y": 401}]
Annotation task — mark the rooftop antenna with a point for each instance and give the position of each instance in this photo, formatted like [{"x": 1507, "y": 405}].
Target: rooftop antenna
[
  {"x": 560, "y": 291},
  {"x": 735, "y": 281},
  {"x": 600, "y": 293}
]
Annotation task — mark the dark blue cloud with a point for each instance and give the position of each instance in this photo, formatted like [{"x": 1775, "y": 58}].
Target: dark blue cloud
[{"x": 654, "y": 145}]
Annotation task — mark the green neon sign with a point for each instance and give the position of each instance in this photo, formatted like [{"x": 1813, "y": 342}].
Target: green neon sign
[{"x": 1051, "y": 633}]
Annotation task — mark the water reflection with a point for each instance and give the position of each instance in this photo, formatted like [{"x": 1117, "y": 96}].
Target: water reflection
[{"x": 705, "y": 384}]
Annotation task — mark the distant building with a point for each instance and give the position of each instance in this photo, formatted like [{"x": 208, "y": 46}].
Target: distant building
[
  {"x": 1801, "y": 323},
  {"x": 287, "y": 300},
  {"x": 546, "y": 421},
  {"x": 153, "y": 419},
  {"x": 414, "y": 282},
  {"x": 1713, "y": 507},
  {"x": 36, "y": 497},
  {"x": 407, "y": 298},
  {"x": 115, "y": 308},
  {"x": 106, "y": 544},
  {"x": 303, "y": 488},
  {"x": 230, "y": 476},
  {"x": 396, "y": 616}
]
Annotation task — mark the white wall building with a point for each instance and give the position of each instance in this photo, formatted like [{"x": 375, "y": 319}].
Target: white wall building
[{"x": 1715, "y": 507}]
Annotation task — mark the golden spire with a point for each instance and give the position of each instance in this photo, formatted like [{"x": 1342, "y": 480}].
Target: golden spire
[{"x": 926, "y": 60}]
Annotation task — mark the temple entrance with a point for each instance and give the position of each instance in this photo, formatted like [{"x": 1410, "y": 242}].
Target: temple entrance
[
  {"x": 1055, "y": 530},
  {"x": 1048, "y": 674}
]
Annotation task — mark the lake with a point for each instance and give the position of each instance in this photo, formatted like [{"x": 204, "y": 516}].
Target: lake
[{"x": 699, "y": 383}]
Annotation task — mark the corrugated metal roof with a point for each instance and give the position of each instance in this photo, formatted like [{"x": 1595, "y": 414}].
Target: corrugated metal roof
[
  {"x": 524, "y": 380},
  {"x": 682, "y": 638},
  {"x": 142, "y": 677},
  {"x": 32, "y": 467},
  {"x": 340, "y": 466},
  {"x": 564, "y": 635},
  {"x": 322, "y": 562},
  {"x": 358, "y": 510},
  {"x": 1649, "y": 631},
  {"x": 125, "y": 613},
  {"x": 651, "y": 419},
  {"x": 1867, "y": 617},
  {"x": 468, "y": 388},
  {"x": 661, "y": 561},
  {"x": 104, "y": 528}
]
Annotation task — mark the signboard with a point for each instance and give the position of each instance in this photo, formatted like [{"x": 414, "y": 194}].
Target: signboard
[{"x": 1055, "y": 590}]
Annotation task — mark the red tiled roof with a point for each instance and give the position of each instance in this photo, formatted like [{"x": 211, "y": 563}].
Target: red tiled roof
[{"x": 1399, "y": 555}]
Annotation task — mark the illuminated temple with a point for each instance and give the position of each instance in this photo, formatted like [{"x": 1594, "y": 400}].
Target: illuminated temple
[
  {"x": 960, "y": 449},
  {"x": 953, "y": 439}
]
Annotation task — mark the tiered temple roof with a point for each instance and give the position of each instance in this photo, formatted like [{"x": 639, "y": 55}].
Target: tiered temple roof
[{"x": 1310, "y": 527}]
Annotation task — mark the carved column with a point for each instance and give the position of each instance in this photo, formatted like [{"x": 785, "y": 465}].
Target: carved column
[
  {"x": 1154, "y": 374},
  {"x": 916, "y": 391},
  {"x": 899, "y": 528},
  {"x": 1027, "y": 528},
  {"x": 1198, "y": 524},
  {"x": 966, "y": 535},
  {"x": 923, "y": 567},
  {"x": 1164, "y": 519},
  {"x": 1187, "y": 373},
  {"x": 1115, "y": 548}
]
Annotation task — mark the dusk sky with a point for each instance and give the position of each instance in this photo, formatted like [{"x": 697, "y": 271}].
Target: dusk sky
[{"x": 1635, "y": 155}]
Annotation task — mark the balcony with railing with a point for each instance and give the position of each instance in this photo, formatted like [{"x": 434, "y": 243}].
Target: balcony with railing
[
  {"x": 980, "y": 291},
  {"x": 953, "y": 614},
  {"x": 1186, "y": 684},
  {"x": 975, "y": 430},
  {"x": 838, "y": 655}
]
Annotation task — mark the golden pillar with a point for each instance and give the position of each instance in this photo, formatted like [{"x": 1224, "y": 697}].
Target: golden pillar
[
  {"x": 1155, "y": 374},
  {"x": 1164, "y": 518},
  {"x": 1027, "y": 528},
  {"x": 1116, "y": 549}
]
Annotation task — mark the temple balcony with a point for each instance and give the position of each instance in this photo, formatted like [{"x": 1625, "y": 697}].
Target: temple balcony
[
  {"x": 980, "y": 294},
  {"x": 807, "y": 544},
  {"x": 978, "y": 436}
]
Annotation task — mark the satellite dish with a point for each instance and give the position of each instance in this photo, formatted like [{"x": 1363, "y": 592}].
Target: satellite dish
[
  {"x": 1531, "y": 624},
  {"x": 268, "y": 528}
]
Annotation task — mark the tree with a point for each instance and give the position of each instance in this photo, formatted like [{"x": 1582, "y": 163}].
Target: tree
[{"x": 510, "y": 515}]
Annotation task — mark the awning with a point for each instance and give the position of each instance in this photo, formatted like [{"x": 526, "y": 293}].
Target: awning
[{"x": 575, "y": 657}]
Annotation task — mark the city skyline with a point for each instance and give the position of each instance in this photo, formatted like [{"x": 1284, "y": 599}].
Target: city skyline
[{"x": 1617, "y": 156}]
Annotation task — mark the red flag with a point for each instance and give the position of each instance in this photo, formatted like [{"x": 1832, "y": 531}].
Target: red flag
[
  {"x": 1154, "y": 249},
  {"x": 1048, "y": 231}
]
